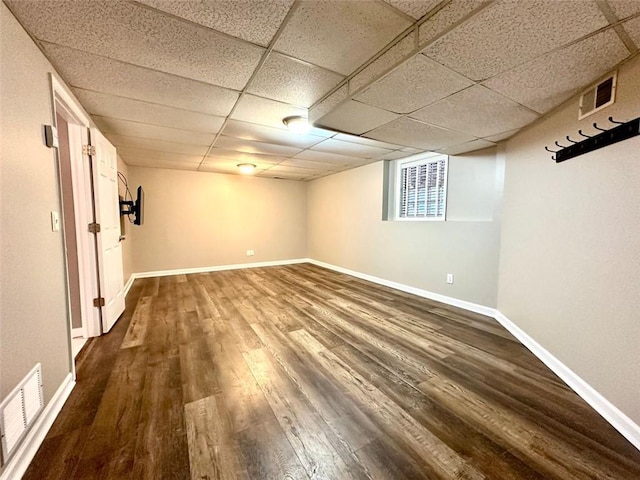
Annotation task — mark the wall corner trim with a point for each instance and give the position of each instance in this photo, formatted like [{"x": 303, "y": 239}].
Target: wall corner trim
[
  {"x": 128, "y": 285},
  {"x": 618, "y": 420},
  {"x": 217, "y": 268},
  {"x": 18, "y": 465}
]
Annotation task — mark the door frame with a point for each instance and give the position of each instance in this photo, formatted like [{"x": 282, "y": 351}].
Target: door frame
[{"x": 64, "y": 103}]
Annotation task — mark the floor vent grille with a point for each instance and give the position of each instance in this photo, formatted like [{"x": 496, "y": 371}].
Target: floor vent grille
[{"x": 19, "y": 410}]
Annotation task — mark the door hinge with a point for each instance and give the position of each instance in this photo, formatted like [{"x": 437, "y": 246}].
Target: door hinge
[
  {"x": 88, "y": 150},
  {"x": 94, "y": 227},
  {"x": 98, "y": 302}
]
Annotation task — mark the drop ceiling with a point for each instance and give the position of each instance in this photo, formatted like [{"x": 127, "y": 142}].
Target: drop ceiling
[{"x": 204, "y": 86}]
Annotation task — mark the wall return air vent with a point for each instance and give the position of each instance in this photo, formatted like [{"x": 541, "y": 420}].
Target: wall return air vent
[
  {"x": 19, "y": 410},
  {"x": 598, "y": 97}
]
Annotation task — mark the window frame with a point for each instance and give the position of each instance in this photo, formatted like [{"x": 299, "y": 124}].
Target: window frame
[{"x": 415, "y": 161}]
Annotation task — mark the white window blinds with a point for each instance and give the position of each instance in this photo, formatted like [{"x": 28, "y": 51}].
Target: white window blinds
[{"x": 423, "y": 189}]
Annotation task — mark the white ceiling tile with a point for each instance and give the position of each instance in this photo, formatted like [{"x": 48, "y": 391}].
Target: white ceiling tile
[
  {"x": 633, "y": 29},
  {"x": 250, "y": 146},
  {"x": 355, "y": 117},
  {"x": 296, "y": 170},
  {"x": 296, "y": 162},
  {"x": 123, "y": 108},
  {"x": 265, "y": 112},
  {"x": 150, "y": 144},
  {"x": 502, "y": 136},
  {"x": 396, "y": 154},
  {"x": 153, "y": 155},
  {"x": 329, "y": 103},
  {"x": 551, "y": 79},
  {"x": 624, "y": 8},
  {"x": 135, "y": 129},
  {"x": 292, "y": 81},
  {"x": 168, "y": 164},
  {"x": 240, "y": 157},
  {"x": 477, "y": 111},
  {"x": 261, "y": 133},
  {"x": 418, "y": 82},
  {"x": 384, "y": 62},
  {"x": 285, "y": 176},
  {"x": 414, "y": 8},
  {"x": 510, "y": 33},
  {"x": 467, "y": 147},
  {"x": 366, "y": 141},
  {"x": 227, "y": 168},
  {"x": 339, "y": 36},
  {"x": 324, "y": 157},
  {"x": 349, "y": 149},
  {"x": 453, "y": 12},
  {"x": 254, "y": 21},
  {"x": 417, "y": 134},
  {"x": 132, "y": 33},
  {"x": 322, "y": 132},
  {"x": 101, "y": 74}
]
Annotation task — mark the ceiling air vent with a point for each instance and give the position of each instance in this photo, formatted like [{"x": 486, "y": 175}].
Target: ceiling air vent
[{"x": 598, "y": 97}]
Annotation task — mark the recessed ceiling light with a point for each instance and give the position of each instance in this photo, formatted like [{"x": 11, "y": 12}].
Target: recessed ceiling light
[
  {"x": 246, "y": 168},
  {"x": 297, "y": 124}
]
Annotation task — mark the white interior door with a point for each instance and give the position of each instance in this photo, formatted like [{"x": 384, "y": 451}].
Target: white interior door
[
  {"x": 81, "y": 179},
  {"x": 107, "y": 212}
]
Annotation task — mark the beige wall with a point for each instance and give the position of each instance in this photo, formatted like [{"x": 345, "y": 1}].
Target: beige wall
[
  {"x": 570, "y": 259},
  {"x": 197, "y": 219},
  {"x": 346, "y": 229},
  {"x": 127, "y": 243},
  {"x": 33, "y": 300}
]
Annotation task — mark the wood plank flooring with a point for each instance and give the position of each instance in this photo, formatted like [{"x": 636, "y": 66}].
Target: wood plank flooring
[{"x": 297, "y": 372}]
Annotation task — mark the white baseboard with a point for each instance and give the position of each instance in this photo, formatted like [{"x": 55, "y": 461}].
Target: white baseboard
[
  {"x": 472, "y": 307},
  {"x": 623, "y": 424},
  {"x": 217, "y": 268},
  {"x": 128, "y": 285},
  {"x": 27, "y": 450}
]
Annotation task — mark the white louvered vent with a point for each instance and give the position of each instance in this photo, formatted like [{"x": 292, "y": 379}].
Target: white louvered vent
[
  {"x": 598, "y": 97},
  {"x": 18, "y": 411}
]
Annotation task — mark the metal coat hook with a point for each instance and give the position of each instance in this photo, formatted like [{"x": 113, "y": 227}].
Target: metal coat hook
[
  {"x": 617, "y": 132},
  {"x": 585, "y": 136}
]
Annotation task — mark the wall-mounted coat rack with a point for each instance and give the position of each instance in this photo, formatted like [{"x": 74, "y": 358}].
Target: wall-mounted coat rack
[{"x": 622, "y": 131}]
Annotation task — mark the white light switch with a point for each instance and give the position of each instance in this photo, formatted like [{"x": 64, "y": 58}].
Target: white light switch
[
  {"x": 250, "y": 253},
  {"x": 449, "y": 277},
  {"x": 55, "y": 221}
]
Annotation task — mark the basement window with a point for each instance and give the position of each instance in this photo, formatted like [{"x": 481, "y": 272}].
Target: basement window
[{"x": 421, "y": 188}]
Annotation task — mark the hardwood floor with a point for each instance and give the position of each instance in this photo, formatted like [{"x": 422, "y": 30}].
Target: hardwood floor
[{"x": 298, "y": 372}]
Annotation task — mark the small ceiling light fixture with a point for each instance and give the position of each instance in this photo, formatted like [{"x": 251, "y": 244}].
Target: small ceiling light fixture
[
  {"x": 246, "y": 168},
  {"x": 297, "y": 124}
]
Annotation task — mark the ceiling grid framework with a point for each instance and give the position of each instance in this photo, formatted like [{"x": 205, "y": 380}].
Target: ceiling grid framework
[{"x": 205, "y": 85}]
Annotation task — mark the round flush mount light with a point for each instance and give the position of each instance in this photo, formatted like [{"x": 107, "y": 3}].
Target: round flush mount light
[
  {"x": 246, "y": 168},
  {"x": 297, "y": 124}
]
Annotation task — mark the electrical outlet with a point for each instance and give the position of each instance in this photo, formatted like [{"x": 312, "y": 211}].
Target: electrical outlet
[
  {"x": 250, "y": 253},
  {"x": 449, "y": 277}
]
